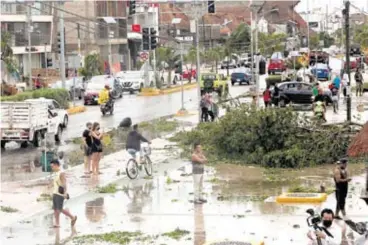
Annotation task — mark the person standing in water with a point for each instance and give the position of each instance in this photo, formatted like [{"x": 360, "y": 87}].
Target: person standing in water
[
  {"x": 341, "y": 178},
  {"x": 60, "y": 194}
]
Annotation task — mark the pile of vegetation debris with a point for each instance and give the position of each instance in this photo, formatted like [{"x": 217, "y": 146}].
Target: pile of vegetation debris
[{"x": 272, "y": 137}]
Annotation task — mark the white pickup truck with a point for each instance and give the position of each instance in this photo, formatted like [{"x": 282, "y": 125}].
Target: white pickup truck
[{"x": 29, "y": 121}]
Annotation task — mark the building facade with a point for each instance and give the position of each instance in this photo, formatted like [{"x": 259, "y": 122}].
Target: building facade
[
  {"x": 87, "y": 31},
  {"x": 14, "y": 21}
]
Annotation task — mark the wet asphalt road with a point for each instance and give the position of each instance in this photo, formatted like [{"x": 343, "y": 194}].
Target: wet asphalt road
[{"x": 138, "y": 108}]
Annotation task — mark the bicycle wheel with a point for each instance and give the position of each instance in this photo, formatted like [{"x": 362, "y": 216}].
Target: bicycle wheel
[
  {"x": 132, "y": 169},
  {"x": 148, "y": 165}
]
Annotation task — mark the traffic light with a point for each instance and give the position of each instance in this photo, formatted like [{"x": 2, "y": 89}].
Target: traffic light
[
  {"x": 48, "y": 62},
  {"x": 153, "y": 35},
  {"x": 58, "y": 43},
  {"x": 132, "y": 7},
  {"x": 145, "y": 38},
  {"x": 211, "y": 7}
]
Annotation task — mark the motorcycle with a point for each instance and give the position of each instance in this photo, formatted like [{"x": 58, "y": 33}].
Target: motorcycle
[{"x": 107, "y": 108}]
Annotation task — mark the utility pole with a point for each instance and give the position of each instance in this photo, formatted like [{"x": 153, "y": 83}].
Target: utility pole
[
  {"x": 155, "y": 16},
  {"x": 79, "y": 41},
  {"x": 251, "y": 46},
  {"x": 62, "y": 45},
  {"x": 29, "y": 20},
  {"x": 198, "y": 65},
  {"x": 109, "y": 47},
  {"x": 46, "y": 60},
  {"x": 257, "y": 60},
  {"x": 182, "y": 87},
  {"x": 146, "y": 64},
  {"x": 346, "y": 12}
]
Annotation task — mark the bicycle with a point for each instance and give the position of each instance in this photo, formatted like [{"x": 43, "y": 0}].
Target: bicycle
[{"x": 132, "y": 168}]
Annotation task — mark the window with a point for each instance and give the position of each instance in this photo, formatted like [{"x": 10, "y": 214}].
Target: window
[{"x": 55, "y": 104}]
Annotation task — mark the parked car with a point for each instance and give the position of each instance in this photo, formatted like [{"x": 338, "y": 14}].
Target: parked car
[
  {"x": 321, "y": 71},
  {"x": 225, "y": 64},
  {"x": 294, "y": 93},
  {"x": 131, "y": 81},
  {"x": 186, "y": 73},
  {"x": 77, "y": 91},
  {"x": 353, "y": 63},
  {"x": 212, "y": 82},
  {"x": 96, "y": 85},
  {"x": 241, "y": 75},
  {"x": 277, "y": 63}
]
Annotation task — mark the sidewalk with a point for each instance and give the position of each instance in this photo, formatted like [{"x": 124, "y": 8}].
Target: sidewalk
[{"x": 15, "y": 195}]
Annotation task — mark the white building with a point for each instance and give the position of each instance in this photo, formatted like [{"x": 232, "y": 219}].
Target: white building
[{"x": 13, "y": 20}]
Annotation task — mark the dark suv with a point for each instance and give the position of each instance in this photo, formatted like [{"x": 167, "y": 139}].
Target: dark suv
[{"x": 293, "y": 92}]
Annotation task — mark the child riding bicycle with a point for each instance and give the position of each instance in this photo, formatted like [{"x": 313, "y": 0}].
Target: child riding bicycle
[{"x": 133, "y": 144}]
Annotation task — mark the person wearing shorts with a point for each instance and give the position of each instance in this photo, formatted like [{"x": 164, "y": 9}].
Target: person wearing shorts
[
  {"x": 133, "y": 144},
  {"x": 59, "y": 195}
]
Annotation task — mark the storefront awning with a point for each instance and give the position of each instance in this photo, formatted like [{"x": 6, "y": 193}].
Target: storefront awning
[{"x": 134, "y": 36}]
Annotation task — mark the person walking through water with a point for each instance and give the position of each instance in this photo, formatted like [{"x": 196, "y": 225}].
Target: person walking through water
[
  {"x": 96, "y": 148},
  {"x": 341, "y": 179},
  {"x": 359, "y": 82},
  {"x": 198, "y": 161},
  {"x": 60, "y": 194}
]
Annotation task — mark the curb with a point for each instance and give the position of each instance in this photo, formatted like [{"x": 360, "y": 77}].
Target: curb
[
  {"x": 76, "y": 109},
  {"x": 156, "y": 92}
]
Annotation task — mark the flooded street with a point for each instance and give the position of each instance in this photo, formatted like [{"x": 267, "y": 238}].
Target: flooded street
[{"x": 142, "y": 204}]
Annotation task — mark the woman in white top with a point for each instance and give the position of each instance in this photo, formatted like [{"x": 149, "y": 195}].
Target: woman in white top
[
  {"x": 59, "y": 194},
  {"x": 344, "y": 84}
]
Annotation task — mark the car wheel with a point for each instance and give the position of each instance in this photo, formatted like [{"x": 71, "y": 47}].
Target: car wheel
[
  {"x": 282, "y": 103},
  {"x": 232, "y": 83},
  {"x": 58, "y": 134},
  {"x": 3, "y": 143},
  {"x": 24, "y": 144},
  {"x": 65, "y": 121},
  {"x": 36, "y": 139},
  {"x": 269, "y": 72}
]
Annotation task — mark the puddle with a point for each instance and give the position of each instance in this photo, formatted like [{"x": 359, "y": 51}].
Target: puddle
[
  {"x": 147, "y": 207},
  {"x": 27, "y": 164}
]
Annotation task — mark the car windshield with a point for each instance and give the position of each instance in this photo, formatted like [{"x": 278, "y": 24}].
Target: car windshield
[
  {"x": 208, "y": 76},
  {"x": 321, "y": 66},
  {"x": 238, "y": 74},
  {"x": 130, "y": 75},
  {"x": 276, "y": 56},
  {"x": 99, "y": 82}
]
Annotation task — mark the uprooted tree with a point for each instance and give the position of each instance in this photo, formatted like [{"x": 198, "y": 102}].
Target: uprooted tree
[{"x": 270, "y": 138}]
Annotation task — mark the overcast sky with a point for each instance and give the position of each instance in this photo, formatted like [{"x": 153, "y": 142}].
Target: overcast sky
[{"x": 332, "y": 4}]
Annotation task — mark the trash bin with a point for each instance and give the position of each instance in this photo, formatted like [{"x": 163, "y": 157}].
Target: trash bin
[{"x": 45, "y": 160}]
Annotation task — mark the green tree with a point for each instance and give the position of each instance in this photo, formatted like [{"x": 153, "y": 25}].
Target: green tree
[
  {"x": 7, "y": 52},
  {"x": 191, "y": 58},
  {"x": 213, "y": 56},
  {"x": 327, "y": 39},
  {"x": 270, "y": 43},
  {"x": 239, "y": 38},
  {"x": 314, "y": 42},
  {"x": 167, "y": 58},
  {"x": 93, "y": 66},
  {"x": 361, "y": 36}
]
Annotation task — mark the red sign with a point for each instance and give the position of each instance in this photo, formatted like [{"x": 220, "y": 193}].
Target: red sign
[
  {"x": 143, "y": 56},
  {"x": 136, "y": 28}
]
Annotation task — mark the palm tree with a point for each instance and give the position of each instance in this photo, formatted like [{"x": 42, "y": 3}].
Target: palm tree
[
  {"x": 167, "y": 58},
  {"x": 213, "y": 56},
  {"x": 6, "y": 50},
  {"x": 191, "y": 58},
  {"x": 362, "y": 36}
]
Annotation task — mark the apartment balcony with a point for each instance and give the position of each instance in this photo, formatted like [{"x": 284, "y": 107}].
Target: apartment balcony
[
  {"x": 17, "y": 12},
  {"x": 118, "y": 32}
]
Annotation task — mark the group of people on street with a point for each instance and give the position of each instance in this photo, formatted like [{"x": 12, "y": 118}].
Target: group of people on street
[
  {"x": 92, "y": 147},
  {"x": 209, "y": 108}
]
